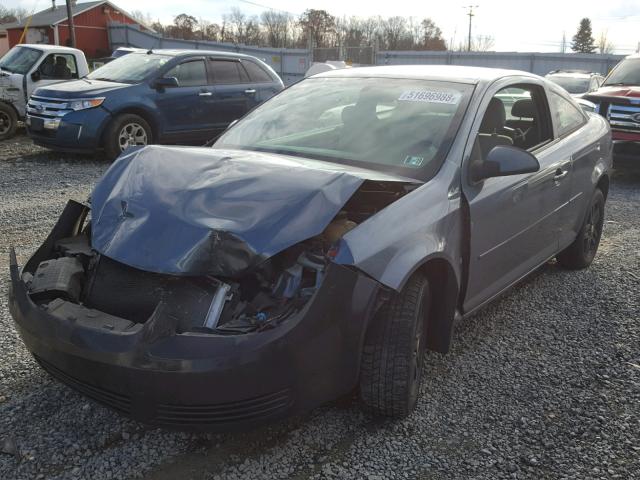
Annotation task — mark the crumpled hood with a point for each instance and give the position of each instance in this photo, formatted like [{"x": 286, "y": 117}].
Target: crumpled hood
[
  {"x": 79, "y": 89},
  {"x": 197, "y": 211}
]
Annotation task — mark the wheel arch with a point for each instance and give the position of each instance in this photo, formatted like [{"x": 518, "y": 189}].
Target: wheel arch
[
  {"x": 603, "y": 185},
  {"x": 142, "y": 112},
  {"x": 444, "y": 290},
  {"x": 12, "y": 107}
]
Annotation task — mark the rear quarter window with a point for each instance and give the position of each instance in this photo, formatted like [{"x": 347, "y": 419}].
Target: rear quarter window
[
  {"x": 566, "y": 116},
  {"x": 256, "y": 73}
]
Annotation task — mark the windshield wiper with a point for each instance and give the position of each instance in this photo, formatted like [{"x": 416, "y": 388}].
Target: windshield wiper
[
  {"x": 103, "y": 79},
  {"x": 618, "y": 84}
]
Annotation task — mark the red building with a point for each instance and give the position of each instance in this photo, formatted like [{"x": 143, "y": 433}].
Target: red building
[{"x": 90, "y": 20}]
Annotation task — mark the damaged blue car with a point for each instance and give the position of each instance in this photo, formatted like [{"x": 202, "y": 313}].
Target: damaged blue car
[{"x": 321, "y": 247}]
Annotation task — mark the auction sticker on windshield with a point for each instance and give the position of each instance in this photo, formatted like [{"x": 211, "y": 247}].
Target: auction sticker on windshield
[{"x": 430, "y": 96}]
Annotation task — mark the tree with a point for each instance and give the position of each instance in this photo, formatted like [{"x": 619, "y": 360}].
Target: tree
[
  {"x": 604, "y": 44},
  {"x": 583, "y": 41},
  {"x": 9, "y": 15},
  {"x": 183, "y": 26},
  {"x": 482, "y": 43},
  {"x": 393, "y": 31},
  {"x": 432, "y": 36},
  {"x": 317, "y": 25},
  {"x": 276, "y": 27}
]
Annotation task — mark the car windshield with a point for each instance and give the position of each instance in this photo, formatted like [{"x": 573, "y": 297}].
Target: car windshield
[
  {"x": 397, "y": 126},
  {"x": 571, "y": 84},
  {"x": 131, "y": 68},
  {"x": 626, "y": 72},
  {"x": 20, "y": 59}
]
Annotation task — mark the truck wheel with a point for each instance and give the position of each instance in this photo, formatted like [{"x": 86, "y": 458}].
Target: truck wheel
[
  {"x": 8, "y": 121},
  {"x": 124, "y": 131},
  {"x": 393, "y": 352},
  {"x": 583, "y": 250}
]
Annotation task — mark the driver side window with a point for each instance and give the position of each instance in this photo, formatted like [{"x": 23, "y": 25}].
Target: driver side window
[
  {"x": 515, "y": 116},
  {"x": 190, "y": 73}
]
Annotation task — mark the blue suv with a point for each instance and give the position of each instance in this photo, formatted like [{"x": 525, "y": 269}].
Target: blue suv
[{"x": 160, "y": 96}]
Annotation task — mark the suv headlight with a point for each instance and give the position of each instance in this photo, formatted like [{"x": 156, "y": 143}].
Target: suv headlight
[{"x": 85, "y": 103}]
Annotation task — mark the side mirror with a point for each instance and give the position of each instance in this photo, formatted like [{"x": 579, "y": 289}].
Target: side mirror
[
  {"x": 505, "y": 160},
  {"x": 35, "y": 76},
  {"x": 166, "y": 82}
]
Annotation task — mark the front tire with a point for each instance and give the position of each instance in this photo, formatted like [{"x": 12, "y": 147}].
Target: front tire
[
  {"x": 8, "y": 121},
  {"x": 124, "y": 131},
  {"x": 583, "y": 250},
  {"x": 393, "y": 353}
]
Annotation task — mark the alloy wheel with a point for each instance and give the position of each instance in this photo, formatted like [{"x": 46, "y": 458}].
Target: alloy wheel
[{"x": 132, "y": 134}]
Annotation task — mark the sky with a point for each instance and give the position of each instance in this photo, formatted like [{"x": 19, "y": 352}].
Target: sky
[{"x": 516, "y": 26}]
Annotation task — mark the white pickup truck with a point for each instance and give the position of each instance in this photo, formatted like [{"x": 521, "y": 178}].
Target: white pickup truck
[{"x": 27, "y": 67}]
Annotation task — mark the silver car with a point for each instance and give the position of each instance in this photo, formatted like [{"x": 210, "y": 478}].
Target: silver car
[{"x": 326, "y": 241}]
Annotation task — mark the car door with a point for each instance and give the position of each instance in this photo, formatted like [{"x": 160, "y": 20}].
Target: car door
[
  {"x": 186, "y": 109},
  {"x": 47, "y": 76},
  {"x": 233, "y": 96},
  {"x": 583, "y": 151},
  {"x": 515, "y": 221},
  {"x": 261, "y": 86}
]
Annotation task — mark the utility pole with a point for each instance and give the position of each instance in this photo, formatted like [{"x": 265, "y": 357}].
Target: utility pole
[
  {"x": 563, "y": 47},
  {"x": 470, "y": 14},
  {"x": 72, "y": 31}
]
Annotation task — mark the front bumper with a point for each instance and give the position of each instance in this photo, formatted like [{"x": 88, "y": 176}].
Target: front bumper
[
  {"x": 79, "y": 131},
  {"x": 203, "y": 381}
]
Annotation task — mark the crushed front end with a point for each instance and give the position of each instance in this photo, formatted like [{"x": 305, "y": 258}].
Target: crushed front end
[{"x": 196, "y": 352}]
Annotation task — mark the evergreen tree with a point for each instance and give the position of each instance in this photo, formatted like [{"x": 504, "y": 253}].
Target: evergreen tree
[{"x": 583, "y": 41}]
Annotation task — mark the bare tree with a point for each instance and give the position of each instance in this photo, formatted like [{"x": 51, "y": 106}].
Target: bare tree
[
  {"x": 276, "y": 26},
  {"x": 432, "y": 36},
  {"x": 236, "y": 23},
  {"x": 9, "y": 15},
  {"x": 317, "y": 25},
  {"x": 143, "y": 18},
  {"x": 482, "y": 43},
  {"x": 393, "y": 30},
  {"x": 605, "y": 46}
]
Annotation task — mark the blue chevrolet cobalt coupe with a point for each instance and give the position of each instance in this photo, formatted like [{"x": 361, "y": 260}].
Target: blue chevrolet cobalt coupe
[{"x": 161, "y": 96}]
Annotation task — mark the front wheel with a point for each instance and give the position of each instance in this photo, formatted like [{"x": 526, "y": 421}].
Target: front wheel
[
  {"x": 8, "y": 121},
  {"x": 124, "y": 131},
  {"x": 393, "y": 352},
  {"x": 583, "y": 250}
]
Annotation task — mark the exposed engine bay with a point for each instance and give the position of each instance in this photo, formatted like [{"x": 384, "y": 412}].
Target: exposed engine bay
[{"x": 78, "y": 282}]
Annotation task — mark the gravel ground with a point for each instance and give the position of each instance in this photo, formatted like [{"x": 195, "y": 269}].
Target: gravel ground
[{"x": 544, "y": 383}]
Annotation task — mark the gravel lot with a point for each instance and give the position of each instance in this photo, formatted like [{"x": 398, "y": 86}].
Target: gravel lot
[{"x": 544, "y": 383}]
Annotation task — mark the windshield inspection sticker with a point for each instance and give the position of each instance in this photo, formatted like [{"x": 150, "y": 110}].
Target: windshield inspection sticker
[
  {"x": 430, "y": 96},
  {"x": 413, "y": 161}
]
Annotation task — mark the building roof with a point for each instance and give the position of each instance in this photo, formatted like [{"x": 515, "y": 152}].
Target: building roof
[{"x": 51, "y": 16}]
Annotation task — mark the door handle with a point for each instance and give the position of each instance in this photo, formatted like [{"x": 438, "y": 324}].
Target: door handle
[
  {"x": 560, "y": 174},
  {"x": 250, "y": 91},
  {"x": 205, "y": 94}
]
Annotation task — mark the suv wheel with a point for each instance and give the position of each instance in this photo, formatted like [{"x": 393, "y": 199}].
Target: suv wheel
[
  {"x": 583, "y": 250},
  {"x": 126, "y": 130},
  {"x": 8, "y": 121},
  {"x": 393, "y": 353}
]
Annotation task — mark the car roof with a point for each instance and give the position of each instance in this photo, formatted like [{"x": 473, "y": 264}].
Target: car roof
[
  {"x": 452, "y": 73},
  {"x": 184, "y": 52},
  {"x": 46, "y": 48},
  {"x": 572, "y": 75}
]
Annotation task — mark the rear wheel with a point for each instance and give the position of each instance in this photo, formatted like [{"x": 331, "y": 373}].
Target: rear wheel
[
  {"x": 8, "y": 121},
  {"x": 583, "y": 250},
  {"x": 393, "y": 353},
  {"x": 126, "y": 130}
]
